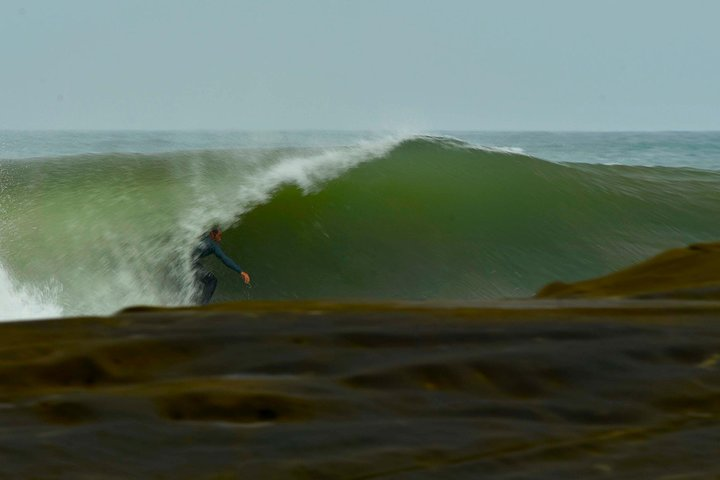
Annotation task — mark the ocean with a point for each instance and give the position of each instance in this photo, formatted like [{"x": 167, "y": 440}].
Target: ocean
[{"x": 92, "y": 222}]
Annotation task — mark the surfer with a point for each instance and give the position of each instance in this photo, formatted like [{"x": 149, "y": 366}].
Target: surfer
[{"x": 210, "y": 245}]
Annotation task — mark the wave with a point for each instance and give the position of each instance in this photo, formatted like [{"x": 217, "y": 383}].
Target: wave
[{"x": 410, "y": 218}]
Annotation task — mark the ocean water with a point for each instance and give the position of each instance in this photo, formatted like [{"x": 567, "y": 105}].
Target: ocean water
[{"x": 91, "y": 222}]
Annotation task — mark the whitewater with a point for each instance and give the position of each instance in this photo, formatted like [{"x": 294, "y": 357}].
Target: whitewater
[{"x": 93, "y": 222}]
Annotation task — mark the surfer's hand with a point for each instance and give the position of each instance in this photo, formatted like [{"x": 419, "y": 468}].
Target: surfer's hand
[{"x": 246, "y": 277}]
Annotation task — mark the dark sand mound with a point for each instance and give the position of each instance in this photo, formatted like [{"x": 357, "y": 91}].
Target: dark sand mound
[
  {"x": 684, "y": 273},
  {"x": 524, "y": 390}
]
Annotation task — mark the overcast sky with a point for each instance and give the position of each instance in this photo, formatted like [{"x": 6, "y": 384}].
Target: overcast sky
[{"x": 360, "y": 64}]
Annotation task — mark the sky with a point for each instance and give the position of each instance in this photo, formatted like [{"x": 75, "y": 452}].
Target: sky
[{"x": 360, "y": 64}]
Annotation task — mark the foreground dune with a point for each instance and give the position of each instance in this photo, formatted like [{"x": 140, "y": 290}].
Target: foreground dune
[
  {"x": 521, "y": 389},
  {"x": 684, "y": 273}
]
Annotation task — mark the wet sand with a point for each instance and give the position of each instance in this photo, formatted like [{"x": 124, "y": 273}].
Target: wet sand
[{"x": 509, "y": 389}]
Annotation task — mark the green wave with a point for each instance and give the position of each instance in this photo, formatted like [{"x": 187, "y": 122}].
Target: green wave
[
  {"x": 422, "y": 218},
  {"x": 438, "y": 219}
]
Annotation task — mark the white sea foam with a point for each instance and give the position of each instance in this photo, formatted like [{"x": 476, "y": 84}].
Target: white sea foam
[
  {"x": 515, "y": 150},
  {"x": 26, "y": 303}
]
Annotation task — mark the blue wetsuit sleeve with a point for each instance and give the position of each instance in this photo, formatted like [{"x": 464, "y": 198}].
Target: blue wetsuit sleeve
[{"x": 225, "y": 259}]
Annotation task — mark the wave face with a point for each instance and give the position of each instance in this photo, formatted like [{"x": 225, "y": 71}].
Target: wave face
[{"x": 415, "y": 218}]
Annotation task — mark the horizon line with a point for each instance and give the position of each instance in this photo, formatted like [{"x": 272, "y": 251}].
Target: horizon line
[{"x": 342, "y": 130}]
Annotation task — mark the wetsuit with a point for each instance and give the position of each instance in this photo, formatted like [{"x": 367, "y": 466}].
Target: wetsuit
[{"x": 206, "y": 280}]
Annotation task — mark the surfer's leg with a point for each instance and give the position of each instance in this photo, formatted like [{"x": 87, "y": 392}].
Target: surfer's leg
[{"x": 207, "y": 282}]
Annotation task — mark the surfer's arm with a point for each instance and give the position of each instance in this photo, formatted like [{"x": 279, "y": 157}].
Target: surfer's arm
[{"x": 226, "y": 260}]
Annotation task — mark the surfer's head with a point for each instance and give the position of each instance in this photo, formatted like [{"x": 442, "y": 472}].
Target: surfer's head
[{"x": 216, "y": 233}]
